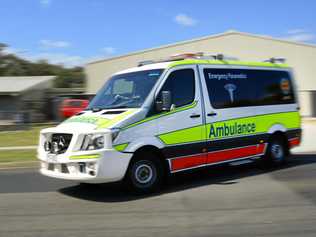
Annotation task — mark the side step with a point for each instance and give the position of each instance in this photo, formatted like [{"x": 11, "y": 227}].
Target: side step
[{"x": 241, "y": 162}]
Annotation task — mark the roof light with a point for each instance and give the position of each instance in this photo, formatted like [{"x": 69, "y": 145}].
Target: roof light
[
  {"x": 174, "y": 57},
  {"x": 183, "y": 56}
]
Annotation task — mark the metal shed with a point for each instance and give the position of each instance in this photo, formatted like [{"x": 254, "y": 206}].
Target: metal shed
[
  {"x": 23, "y": 98},
  {"x": 245, "y": 46}
]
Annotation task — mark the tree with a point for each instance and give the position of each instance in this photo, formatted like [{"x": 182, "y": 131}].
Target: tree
[
  {"x": 2, "y": 47},
  {"x": 12, "y": 65}
]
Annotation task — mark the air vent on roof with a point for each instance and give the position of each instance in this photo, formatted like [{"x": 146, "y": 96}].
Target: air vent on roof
[{"x": 114, "y": 112}]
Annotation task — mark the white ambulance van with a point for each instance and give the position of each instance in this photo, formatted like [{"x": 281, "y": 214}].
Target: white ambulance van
[{"x": 174, "y": 115}]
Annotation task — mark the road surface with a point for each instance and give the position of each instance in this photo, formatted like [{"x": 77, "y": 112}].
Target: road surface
[{"x": 229, "y": 201}]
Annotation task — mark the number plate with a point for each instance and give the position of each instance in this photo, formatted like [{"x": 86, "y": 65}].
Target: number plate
[{"x": 52, "y": 158}]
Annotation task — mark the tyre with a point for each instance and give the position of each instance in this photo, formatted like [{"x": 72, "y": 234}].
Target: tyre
[
  {"x": 145, "y": 173},
  {"x": 276, "y": 153}
]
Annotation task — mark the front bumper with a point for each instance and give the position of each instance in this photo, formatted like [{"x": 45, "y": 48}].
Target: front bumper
[{"x": 107, "y": 165}]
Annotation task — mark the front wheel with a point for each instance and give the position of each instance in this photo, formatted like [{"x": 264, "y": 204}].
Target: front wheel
[{"x": 145, "y": 173}]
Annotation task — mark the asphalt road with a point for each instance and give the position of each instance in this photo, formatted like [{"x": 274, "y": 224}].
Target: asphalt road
[{"x": 233, "y": 201}]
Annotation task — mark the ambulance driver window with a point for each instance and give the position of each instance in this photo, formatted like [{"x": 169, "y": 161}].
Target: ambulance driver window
[
  {"x": 181, "y": 84},
  {"x": 229, "y": 87}
]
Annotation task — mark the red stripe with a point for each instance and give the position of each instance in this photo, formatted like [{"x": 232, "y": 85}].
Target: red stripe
[
  {"x": 294, "y": 142},
  {"x": 235, "y": 153},
  {"x": 188, "y": 162},
  {"x": 261, "y": 148},
  {"x": 216, "y": 156}
]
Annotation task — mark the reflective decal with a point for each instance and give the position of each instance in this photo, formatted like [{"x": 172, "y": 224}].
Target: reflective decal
[
  {"x": 230, "y": 89},
  {"x": 121, "y": 147},
  {"x": 231, "y": 128}
]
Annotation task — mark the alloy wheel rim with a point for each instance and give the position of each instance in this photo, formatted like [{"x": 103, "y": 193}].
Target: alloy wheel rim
[
  {"x": 144, "y": 173},
  {"x": 277, "y": 152}
]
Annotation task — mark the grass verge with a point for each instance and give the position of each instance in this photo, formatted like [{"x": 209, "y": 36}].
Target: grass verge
[
  {"x": 17, "y": 156},
  {"x": 21, "y": 138}
]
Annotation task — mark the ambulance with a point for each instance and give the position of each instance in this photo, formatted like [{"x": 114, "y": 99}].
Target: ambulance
[{"x": 168, "y": 116}]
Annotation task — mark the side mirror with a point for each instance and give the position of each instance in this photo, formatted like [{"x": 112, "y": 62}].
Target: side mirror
[{"x": 165, "y": 103}]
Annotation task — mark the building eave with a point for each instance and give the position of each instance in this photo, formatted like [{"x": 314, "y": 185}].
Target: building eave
[{"x": 230, "y": 32}]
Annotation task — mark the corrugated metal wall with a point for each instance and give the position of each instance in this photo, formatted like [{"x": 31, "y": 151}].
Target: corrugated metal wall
[{"x": 244, "y": 46}]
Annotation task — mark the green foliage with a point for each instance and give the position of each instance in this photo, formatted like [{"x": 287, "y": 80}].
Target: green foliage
[
  {"x": 11, "y": 65},
  {"x": 21, "y": 138}
]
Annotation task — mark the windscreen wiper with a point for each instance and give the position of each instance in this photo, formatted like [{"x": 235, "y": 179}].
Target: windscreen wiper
[
  {"x": 118, "y": 107},
  {"x": 98, "y": 109}
]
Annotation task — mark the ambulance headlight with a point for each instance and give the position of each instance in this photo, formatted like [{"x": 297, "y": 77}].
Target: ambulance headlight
[{"x": 92, "y": 142}]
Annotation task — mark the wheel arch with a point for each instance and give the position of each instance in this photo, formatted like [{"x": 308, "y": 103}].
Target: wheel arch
[
  {"x": 277, "y": 128},
  {"x": 143, "y": 142},
  {"x": 154, "y": 149},
  {"x": 279, "y": 134}
]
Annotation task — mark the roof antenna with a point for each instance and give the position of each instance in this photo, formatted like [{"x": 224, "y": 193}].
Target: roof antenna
[{"x": 275, "y": 60}]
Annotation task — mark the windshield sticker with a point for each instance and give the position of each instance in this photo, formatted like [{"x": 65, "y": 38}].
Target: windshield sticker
[
  {"x": 154, "y": 74},
  {"x": 87, "y": 119},
  {"x": 227, "y": 76}
]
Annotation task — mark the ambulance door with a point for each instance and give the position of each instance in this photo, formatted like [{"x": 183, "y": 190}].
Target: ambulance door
[
  {"x": 181, "y": 129},
  {"x": 230, "y": 117}
]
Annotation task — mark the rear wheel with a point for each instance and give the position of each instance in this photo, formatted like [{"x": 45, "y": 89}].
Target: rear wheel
[
  {"x": 277, "y": 152},
  {"x": 145, "y": 173}
]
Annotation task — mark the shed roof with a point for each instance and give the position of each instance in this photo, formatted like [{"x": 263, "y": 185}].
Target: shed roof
[
  {"x": 227, "y": 33},
  {"x": 9, "y": 85}
]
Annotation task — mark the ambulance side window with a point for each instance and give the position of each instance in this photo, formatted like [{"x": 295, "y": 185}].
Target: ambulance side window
[
  {"x": 274, "y": 87},
  {"x": 230, "y": 88},
  {"x": 181, "y": 84},
  {"x": 248, "y": 87}
]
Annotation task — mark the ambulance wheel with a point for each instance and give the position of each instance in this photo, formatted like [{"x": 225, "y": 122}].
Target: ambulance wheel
[
  {"x": 277, "y": 151},
  {"x": 145, "y": 173}
]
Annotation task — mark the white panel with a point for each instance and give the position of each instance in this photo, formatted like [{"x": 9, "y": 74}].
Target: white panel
[
  {"x": 306, "y": 103},
  {"x": 181, "y": 120}
]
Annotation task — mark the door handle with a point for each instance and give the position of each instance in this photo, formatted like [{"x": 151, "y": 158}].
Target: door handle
[
  {"x": 212, "y": 114},
  {"x": 195, "y": 115}
]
